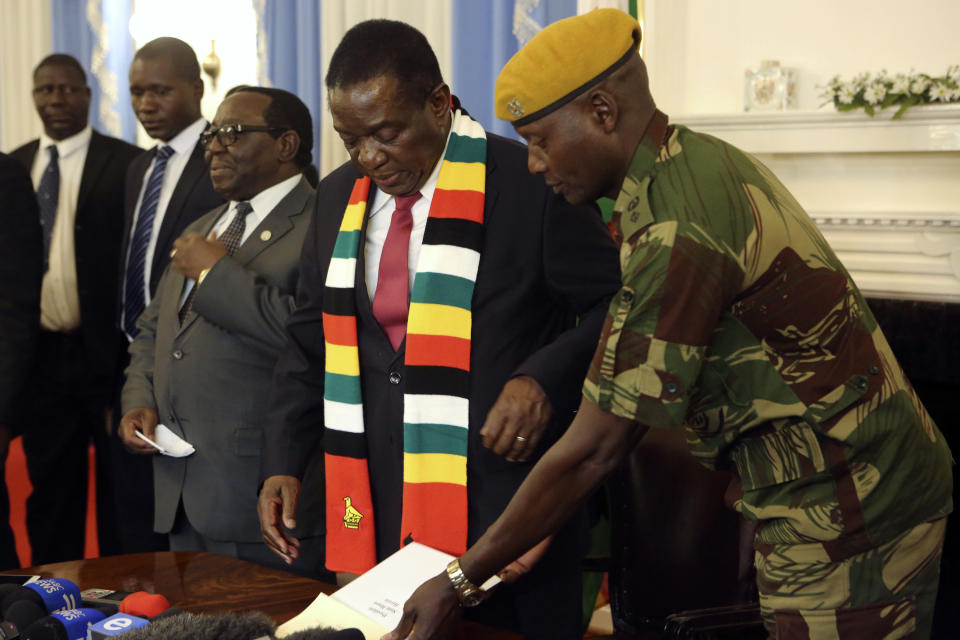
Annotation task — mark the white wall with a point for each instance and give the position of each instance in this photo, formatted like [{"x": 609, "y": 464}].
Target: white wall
[
  {"x": 24, "y": 40},
  {"x": 697, "y": 50}
]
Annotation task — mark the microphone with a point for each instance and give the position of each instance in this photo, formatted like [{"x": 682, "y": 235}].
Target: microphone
[
  {"x": 6, "y": 589},
  {"x": 20, "y": 615},
  {"x": 107, "y": 600},
  {"x": 252, "y": 625},
  {"x": 70, "y": 624},
  {"x": 121, "y": 623},
  {"x": 143, "y": 604},
  {"x": 115, "y": 625},
  {"x": 52, "y": 594}
]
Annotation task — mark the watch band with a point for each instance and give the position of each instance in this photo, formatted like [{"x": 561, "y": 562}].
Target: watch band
[{"x": 469, "y": 594}]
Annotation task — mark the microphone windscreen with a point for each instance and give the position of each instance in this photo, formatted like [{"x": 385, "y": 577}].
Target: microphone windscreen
[
  {"x": 143, "y": 604},
  {"x": 70, "y": 624},
  {"x": 235, "y": 626},
  {"x": 23, "y": 613},
  {"x": 323, "y": 633},
  {"x": 6, "y": 589},
  {"x": 52, "y": 594}
]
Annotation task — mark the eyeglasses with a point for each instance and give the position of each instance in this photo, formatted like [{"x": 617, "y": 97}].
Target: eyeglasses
[{"x": 227, "y": 134}]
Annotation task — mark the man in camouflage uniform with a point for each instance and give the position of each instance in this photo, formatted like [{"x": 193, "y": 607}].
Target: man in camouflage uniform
[{"x": 736, "y": 322}]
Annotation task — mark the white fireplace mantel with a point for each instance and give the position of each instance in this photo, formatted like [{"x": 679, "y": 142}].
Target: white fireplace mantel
[
  {"x": 922, "y": 128},
  {"x": 885, "y": 193}
]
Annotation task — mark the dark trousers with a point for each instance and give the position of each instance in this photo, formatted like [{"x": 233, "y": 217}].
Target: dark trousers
[
  {"x": 183, "y": 537},
  {"x": 8, "y": 546},
  {"x": 68, "y": 410}
]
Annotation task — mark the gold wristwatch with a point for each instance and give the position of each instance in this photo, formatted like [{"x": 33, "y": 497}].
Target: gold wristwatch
[{"x": 469, "y": 594}]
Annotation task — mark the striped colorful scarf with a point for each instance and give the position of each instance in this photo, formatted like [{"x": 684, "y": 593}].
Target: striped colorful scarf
[{"x": 436, "y": 408}]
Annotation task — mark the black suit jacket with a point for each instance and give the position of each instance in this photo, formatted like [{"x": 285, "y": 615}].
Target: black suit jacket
[
  {"x": 192, "y": 197},
  {"x": 97, "y": 238},
  {"x": 21, "y": 267},
  {"x": 544, "y": 262}
]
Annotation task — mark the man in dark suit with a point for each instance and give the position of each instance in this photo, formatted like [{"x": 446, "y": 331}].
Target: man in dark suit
[
  {"x": 78, "y": 175},
  {"x": 168, "y": 188},
  {"x": 21, "y": 268},
  {"x": 541, "y": 264},
  {"x": 206, "y": 345}
]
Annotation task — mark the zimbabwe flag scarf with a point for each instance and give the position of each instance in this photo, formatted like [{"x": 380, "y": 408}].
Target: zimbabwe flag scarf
[{"x": 436, "y": 409}]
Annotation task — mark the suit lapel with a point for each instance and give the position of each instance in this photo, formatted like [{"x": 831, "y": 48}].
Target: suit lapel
[
  {"x": 490, "y": 191},
  {"x": 193, "y": 172},
  {"x": 27, "y": 154},
  {"x": 277, "y": 223},
  {"x": 138, "y": 172},
  {"x": 181, "y": 281},
  {"x": 96, "y": 160}
]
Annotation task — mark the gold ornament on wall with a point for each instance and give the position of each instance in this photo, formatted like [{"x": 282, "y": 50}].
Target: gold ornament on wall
[{"x": 211, "y": 64}]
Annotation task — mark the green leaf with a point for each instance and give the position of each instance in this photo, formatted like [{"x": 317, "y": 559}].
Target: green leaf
[{"x": 869, "y": 109}]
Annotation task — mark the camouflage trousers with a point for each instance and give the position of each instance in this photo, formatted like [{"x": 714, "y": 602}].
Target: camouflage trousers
[{"x": 886, "y": 592}]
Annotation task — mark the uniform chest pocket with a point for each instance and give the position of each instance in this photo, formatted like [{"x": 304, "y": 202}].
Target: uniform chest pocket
[{"x": 789, "y": 453}]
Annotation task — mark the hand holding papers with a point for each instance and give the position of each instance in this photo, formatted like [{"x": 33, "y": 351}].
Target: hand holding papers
[
  {"x": 373, "y": 602},
  {"x": 168, "y": 443}
]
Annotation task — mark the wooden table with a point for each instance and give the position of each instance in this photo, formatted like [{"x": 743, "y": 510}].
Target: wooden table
[{"x": 203, "y": 582}]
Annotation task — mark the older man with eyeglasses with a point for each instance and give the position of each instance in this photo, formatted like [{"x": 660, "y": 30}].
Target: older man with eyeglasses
[{"x": 205, "y": 347}]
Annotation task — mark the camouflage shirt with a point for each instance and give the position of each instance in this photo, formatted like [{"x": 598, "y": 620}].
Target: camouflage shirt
[{"x": 737, "y": 321}]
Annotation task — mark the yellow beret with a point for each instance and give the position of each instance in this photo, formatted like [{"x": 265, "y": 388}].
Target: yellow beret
[{"x": 562, "y": 61}]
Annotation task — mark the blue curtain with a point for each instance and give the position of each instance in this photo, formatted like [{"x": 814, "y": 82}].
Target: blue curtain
[
  {"x": 104, "y": 53},
  {"x": 290, "y": 33},
  {"x": 483, "y": 41}
]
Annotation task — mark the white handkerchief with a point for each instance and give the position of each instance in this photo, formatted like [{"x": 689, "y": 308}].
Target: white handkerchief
[{"x": 171, "y": 444}]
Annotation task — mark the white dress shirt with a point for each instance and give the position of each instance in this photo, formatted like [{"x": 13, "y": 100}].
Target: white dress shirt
[
  {"x": 262, "y": 204},
  {"x": 59, "y": 300},
  {"x": 183, "y": 145},
  {"x": 381, "y": 213}
]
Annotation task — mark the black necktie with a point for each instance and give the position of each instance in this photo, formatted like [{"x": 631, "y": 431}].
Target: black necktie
[
  {"x": 231, "y": 239},
  {"x": 48, "y": 195}
]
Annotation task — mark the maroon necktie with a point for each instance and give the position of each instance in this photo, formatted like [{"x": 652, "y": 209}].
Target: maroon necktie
[{"x": 392, "y": 299}]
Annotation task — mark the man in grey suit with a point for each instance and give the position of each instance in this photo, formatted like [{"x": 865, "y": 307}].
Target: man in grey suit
[{"x": 206, "y": 345}]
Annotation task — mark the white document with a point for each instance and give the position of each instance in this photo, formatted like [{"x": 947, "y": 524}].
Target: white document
[
  {"x": 374, "y": 601},
  {"x": 168, "y": 443},
  {"x": 327, "y": 612}
]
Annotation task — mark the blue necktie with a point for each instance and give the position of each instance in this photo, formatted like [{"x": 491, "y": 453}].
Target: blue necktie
[
  {"x": 134, "y": 297},
  {"x": 48, "y": 194}
]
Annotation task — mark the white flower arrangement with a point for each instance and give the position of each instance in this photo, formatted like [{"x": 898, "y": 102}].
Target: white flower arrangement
[{"x": 882, "y": 91}]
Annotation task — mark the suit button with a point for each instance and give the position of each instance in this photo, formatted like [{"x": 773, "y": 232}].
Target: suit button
[
  {"x": 177, "y": 355},
  {"x": 394, "y": 377}
]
